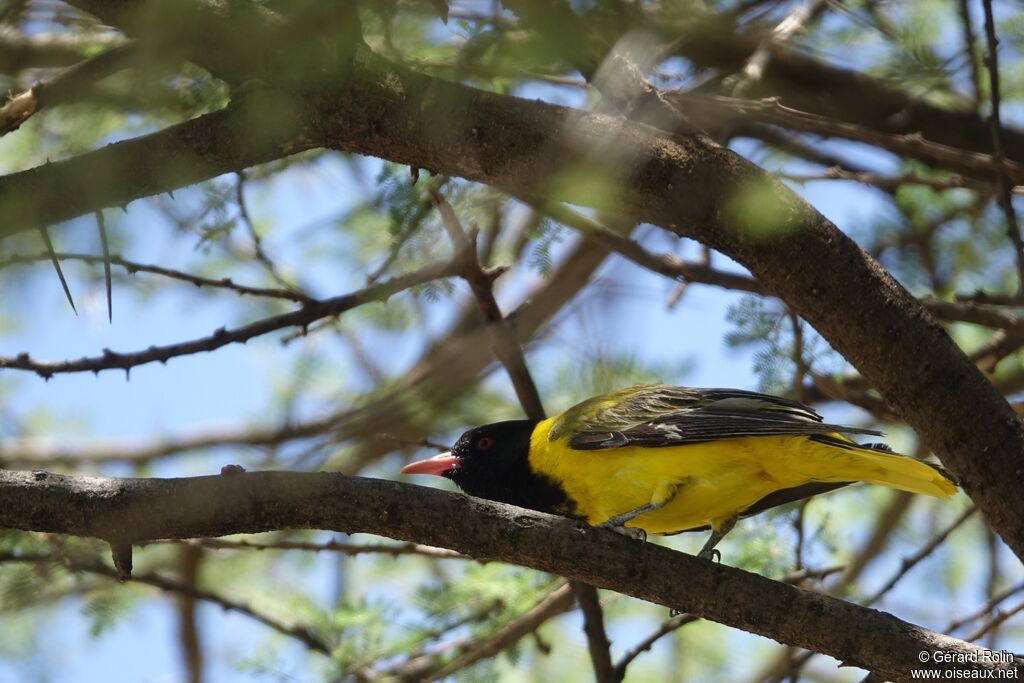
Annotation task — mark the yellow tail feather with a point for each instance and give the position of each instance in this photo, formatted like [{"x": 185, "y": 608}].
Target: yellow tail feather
[{"x": 893, "y": 470}]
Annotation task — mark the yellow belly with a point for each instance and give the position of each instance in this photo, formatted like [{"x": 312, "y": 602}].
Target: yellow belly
[{"x": 711, "y": 481}]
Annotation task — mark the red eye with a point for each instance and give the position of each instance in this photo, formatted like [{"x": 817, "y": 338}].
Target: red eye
[{"x": 484, "y": 443}]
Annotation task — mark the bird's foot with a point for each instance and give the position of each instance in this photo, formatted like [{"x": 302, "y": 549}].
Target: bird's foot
[{"x": 713, "y": 554}]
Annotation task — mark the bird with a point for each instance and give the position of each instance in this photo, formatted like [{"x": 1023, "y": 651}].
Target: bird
[{"x": 662, "y": 459}]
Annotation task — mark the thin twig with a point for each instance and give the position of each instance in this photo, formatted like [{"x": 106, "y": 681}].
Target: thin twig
[
  {"x": 801, "y": 575},
  {"x": 309, "y": 313},
  {"x": 133, "y": 267},
  {"x": 967, "y": 24},
  {"x": 999, "y": 144},
  {"x": 557, "y": 602},
  {"x": 257, "y": 243},
  {"x": 43, "y": 452},
  {"x": 911, "y": 561},
  {"x": 993, "y": 623},
  {"x": 481, "y": 282},
  {"x": 671, "y": 266},
  {"x": 989, "y": 605},
  {"x": 663, "y": 264},
  {"x": 668, "y": 626},
  {"x": 417, "y": 662}
]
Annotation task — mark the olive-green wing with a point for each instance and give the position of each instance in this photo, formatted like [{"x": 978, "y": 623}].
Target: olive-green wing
[{"x": 663, "y": 415}]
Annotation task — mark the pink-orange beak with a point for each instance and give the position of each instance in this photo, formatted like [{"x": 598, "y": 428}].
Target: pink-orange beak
[{"x": 438, "y": 465}]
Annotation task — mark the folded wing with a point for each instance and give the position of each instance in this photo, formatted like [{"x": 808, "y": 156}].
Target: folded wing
[{"x": 661, "y": 415}]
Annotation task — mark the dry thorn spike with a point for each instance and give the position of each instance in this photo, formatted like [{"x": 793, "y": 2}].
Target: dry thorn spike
[
  {"x": 56, "y": 265},
  {"x": 102, "y": 226}
]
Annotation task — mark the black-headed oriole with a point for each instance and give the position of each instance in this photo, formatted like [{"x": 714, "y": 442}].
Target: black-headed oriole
[{"x": 666, "y": 459}]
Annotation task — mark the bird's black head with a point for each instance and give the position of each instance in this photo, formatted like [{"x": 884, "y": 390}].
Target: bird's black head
[{"x": 492, "y": 462}]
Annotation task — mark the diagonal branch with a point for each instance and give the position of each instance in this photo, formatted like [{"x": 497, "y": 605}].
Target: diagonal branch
[{"x": 135, "y": 510}]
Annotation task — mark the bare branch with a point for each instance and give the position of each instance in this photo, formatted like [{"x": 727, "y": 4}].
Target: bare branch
[
  {"x": 36, "y": 452},
  {"x": 989, "y": 605},
  {"x": 668, "y": 626},
  {"x": 794, "y": 22},
  {"x": 133, "y": 267},
  {"x": 995, "y": 622},
  {"x": 911, "y": 561},
  {"x": 506, "y": 346},
  {"x": 257, "y": 244},
  {"x": 309, "y": 313}
]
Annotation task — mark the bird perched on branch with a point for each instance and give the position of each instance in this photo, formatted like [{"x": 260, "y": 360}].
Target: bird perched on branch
[{"x": 663, "y": 459}]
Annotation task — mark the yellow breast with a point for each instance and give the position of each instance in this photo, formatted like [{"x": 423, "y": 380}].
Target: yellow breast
[{"x": 712, "y": 481}]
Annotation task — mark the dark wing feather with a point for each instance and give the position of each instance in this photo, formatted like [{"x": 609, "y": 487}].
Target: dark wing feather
[{"x": 662, "y": 415}]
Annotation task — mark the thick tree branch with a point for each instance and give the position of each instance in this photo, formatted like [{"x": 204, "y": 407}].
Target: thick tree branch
[{"x": 135, "y": 510}]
